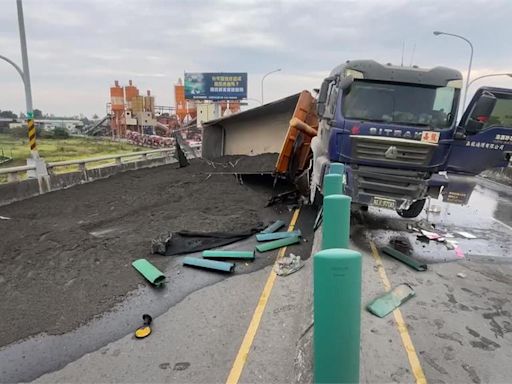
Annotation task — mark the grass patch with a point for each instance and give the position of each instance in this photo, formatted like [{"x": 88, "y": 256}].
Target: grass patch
[
  {"x": 53, "y": 150},
  {"x": 61, "y": 149}
]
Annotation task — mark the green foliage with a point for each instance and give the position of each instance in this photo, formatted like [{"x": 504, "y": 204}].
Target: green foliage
[
  {"x": 60, "y": 133},
  {"x": 56, "y": 149},
  {"x": 8, "y": 115},
  {"x": 38, "y": 114}
]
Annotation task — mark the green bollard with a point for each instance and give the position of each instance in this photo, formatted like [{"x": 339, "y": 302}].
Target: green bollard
[
  {"x": 337, "y": 168},
  {"x": 333, "y": 185},
  {"x": 336, "y": 225},
  {"x": 337, "y": 315}
]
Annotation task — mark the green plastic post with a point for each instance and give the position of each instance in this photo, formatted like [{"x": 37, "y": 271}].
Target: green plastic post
[
  {"x": 337, "y": 168},
  {"x": 208, "y": 264},
  {"x": 277, "y": 244},
  {"x": 222, "y": 254},
  {"x": 149, "y": 271},
  {"x": 333, "y": 185},
  {"x": 337, "y": 315},
  {"x": 274, "y": 226},
  {"x": 277, "y": 235},
  {"x": 336, "y": 225}
]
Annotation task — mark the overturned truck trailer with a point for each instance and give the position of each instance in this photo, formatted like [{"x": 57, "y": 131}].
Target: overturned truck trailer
[{"x": 283, "y": 128}]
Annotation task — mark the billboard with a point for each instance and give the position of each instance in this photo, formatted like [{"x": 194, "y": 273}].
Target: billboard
[{"x": 216, "y": 86}]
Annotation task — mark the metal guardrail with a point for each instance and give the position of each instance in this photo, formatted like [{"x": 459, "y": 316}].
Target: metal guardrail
[{"x": 13, "y": 172}]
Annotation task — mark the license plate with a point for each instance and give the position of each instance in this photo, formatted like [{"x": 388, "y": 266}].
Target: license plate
[
  {"x": 430, "y": 137},
  {"x": 382, "y": 202}
]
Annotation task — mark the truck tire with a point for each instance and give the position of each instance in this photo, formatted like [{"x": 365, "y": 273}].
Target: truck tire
[{"x": 413, "y": 211}]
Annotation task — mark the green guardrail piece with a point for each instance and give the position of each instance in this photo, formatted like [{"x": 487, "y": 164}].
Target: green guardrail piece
[
  {"x": 149, "y": 271},
  {"x": 337, "y": 168},
  {"x": 385, "y": 304},
  {"x": 336, "y": 224},
  {"x": 209, "y": 264},
  {"x": 337, "y": 315},
  {"x": 277, "y": 235},
  {"x": 277, "y": 244},
  {"x": 414, "y": 264},
  {"x": 274, "y": 226},
  {"x": 221, "y": 254},
  {"x": 333, "y": 185}
]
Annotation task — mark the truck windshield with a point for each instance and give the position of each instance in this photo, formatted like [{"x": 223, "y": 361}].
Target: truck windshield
[{"x": 406, "y": 104}]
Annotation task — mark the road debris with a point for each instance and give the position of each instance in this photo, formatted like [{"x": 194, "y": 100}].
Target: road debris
[
  {"x": 277, "y": 235},
  {"x": 149, "y": 271},
  {"x": 400, "y": 256},
  {"x": 461, "y": 275},
  {"x": 466, "y": 235},
  {"x": 182, "y": 242},
  {"x": 288, "y": 265},
  {"x": 144, "y": 330},
  {"x": 209, "y": 264},
  {"x": 434, "y": 209},
  {"x": 222, "y": 254},
  {"x": 274, "y": 226},
  {"x": 458, "y": 252},
  {"x": 269, "y": 246},
  {"x": 385, "y": 304},
  {"x": 5, "y": 218}
]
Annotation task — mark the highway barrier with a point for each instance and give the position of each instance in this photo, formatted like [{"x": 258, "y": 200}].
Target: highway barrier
[
  {"x": 20, "y": 185},
  {"x": 337, "y": 291}
]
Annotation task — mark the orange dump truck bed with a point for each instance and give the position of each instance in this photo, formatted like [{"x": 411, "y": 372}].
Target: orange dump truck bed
[{"x": 295, "y": 152}]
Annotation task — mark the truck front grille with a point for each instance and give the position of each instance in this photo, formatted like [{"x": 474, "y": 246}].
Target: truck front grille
[
  {"x": 392, "y": 183},
  {"x": 391, "y": 150}
]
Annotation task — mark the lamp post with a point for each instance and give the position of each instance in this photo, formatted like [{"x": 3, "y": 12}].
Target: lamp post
[
  {"x": 25, "y": 76},
  {"x": 437, "y": 33},
  {"x": 490, "y": 75},
  {"x": 263, "y": 78}
]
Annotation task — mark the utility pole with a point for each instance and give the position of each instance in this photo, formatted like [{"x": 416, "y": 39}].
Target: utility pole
[
  {"x": 26, "y": 82},
  {"x": 263, "y": 79},
  {"x": 25, "y": 76},
  {"x": 439, "y": 33},
  {"x": 34, "y": 160}
]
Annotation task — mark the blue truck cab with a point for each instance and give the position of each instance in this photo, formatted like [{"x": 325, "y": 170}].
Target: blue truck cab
[{"x": 396, "y": 131}]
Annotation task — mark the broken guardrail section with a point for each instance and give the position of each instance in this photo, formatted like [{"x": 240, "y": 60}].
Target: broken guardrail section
[
  {"x": 209, "y": 264},
  {"x": 222, "y": 254},
  {"x": 149, "y": 271}
]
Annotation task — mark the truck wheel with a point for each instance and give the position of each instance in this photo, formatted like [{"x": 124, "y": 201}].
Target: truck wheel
[{"x": 413, "y": 211}]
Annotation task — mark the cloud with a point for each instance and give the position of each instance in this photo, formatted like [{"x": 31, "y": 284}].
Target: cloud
[{"x": 78, "y": 48}]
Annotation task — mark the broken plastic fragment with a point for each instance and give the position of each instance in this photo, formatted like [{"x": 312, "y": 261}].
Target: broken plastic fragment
[{"x": 385, "y": 304}]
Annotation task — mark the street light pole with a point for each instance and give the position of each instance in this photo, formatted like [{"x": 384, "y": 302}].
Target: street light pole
[
  {"x": 26, "y": 82},
  {"x": 437, "y": 33},
  {"x": 25, "y": 76},
  {"x": 263, "y": 78},
  {"x": 490, "y": 75}
]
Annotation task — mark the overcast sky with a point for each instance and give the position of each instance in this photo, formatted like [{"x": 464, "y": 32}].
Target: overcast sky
[{"x": 77, "y": 48}]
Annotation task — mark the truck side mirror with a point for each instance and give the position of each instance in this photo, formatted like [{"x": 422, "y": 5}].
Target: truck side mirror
[{"x": 481, "y": 112}]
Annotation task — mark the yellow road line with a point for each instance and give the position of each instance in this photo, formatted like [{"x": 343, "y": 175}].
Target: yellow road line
[
  {"x": 414, "y": 361},
  {"x": 243, "y": 352}
]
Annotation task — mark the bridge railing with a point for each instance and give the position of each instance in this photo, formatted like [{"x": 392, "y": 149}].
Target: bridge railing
[{"x": 15, "y": 173}]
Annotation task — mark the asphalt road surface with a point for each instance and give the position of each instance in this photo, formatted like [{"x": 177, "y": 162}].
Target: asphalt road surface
[{"x": 456, "y": 329}]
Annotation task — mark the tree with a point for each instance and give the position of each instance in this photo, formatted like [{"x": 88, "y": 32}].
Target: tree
[
  {"x": 95, "y": 117},
  {"x": 8, "y": 115},
  {"x": 38, "y": 114}
]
